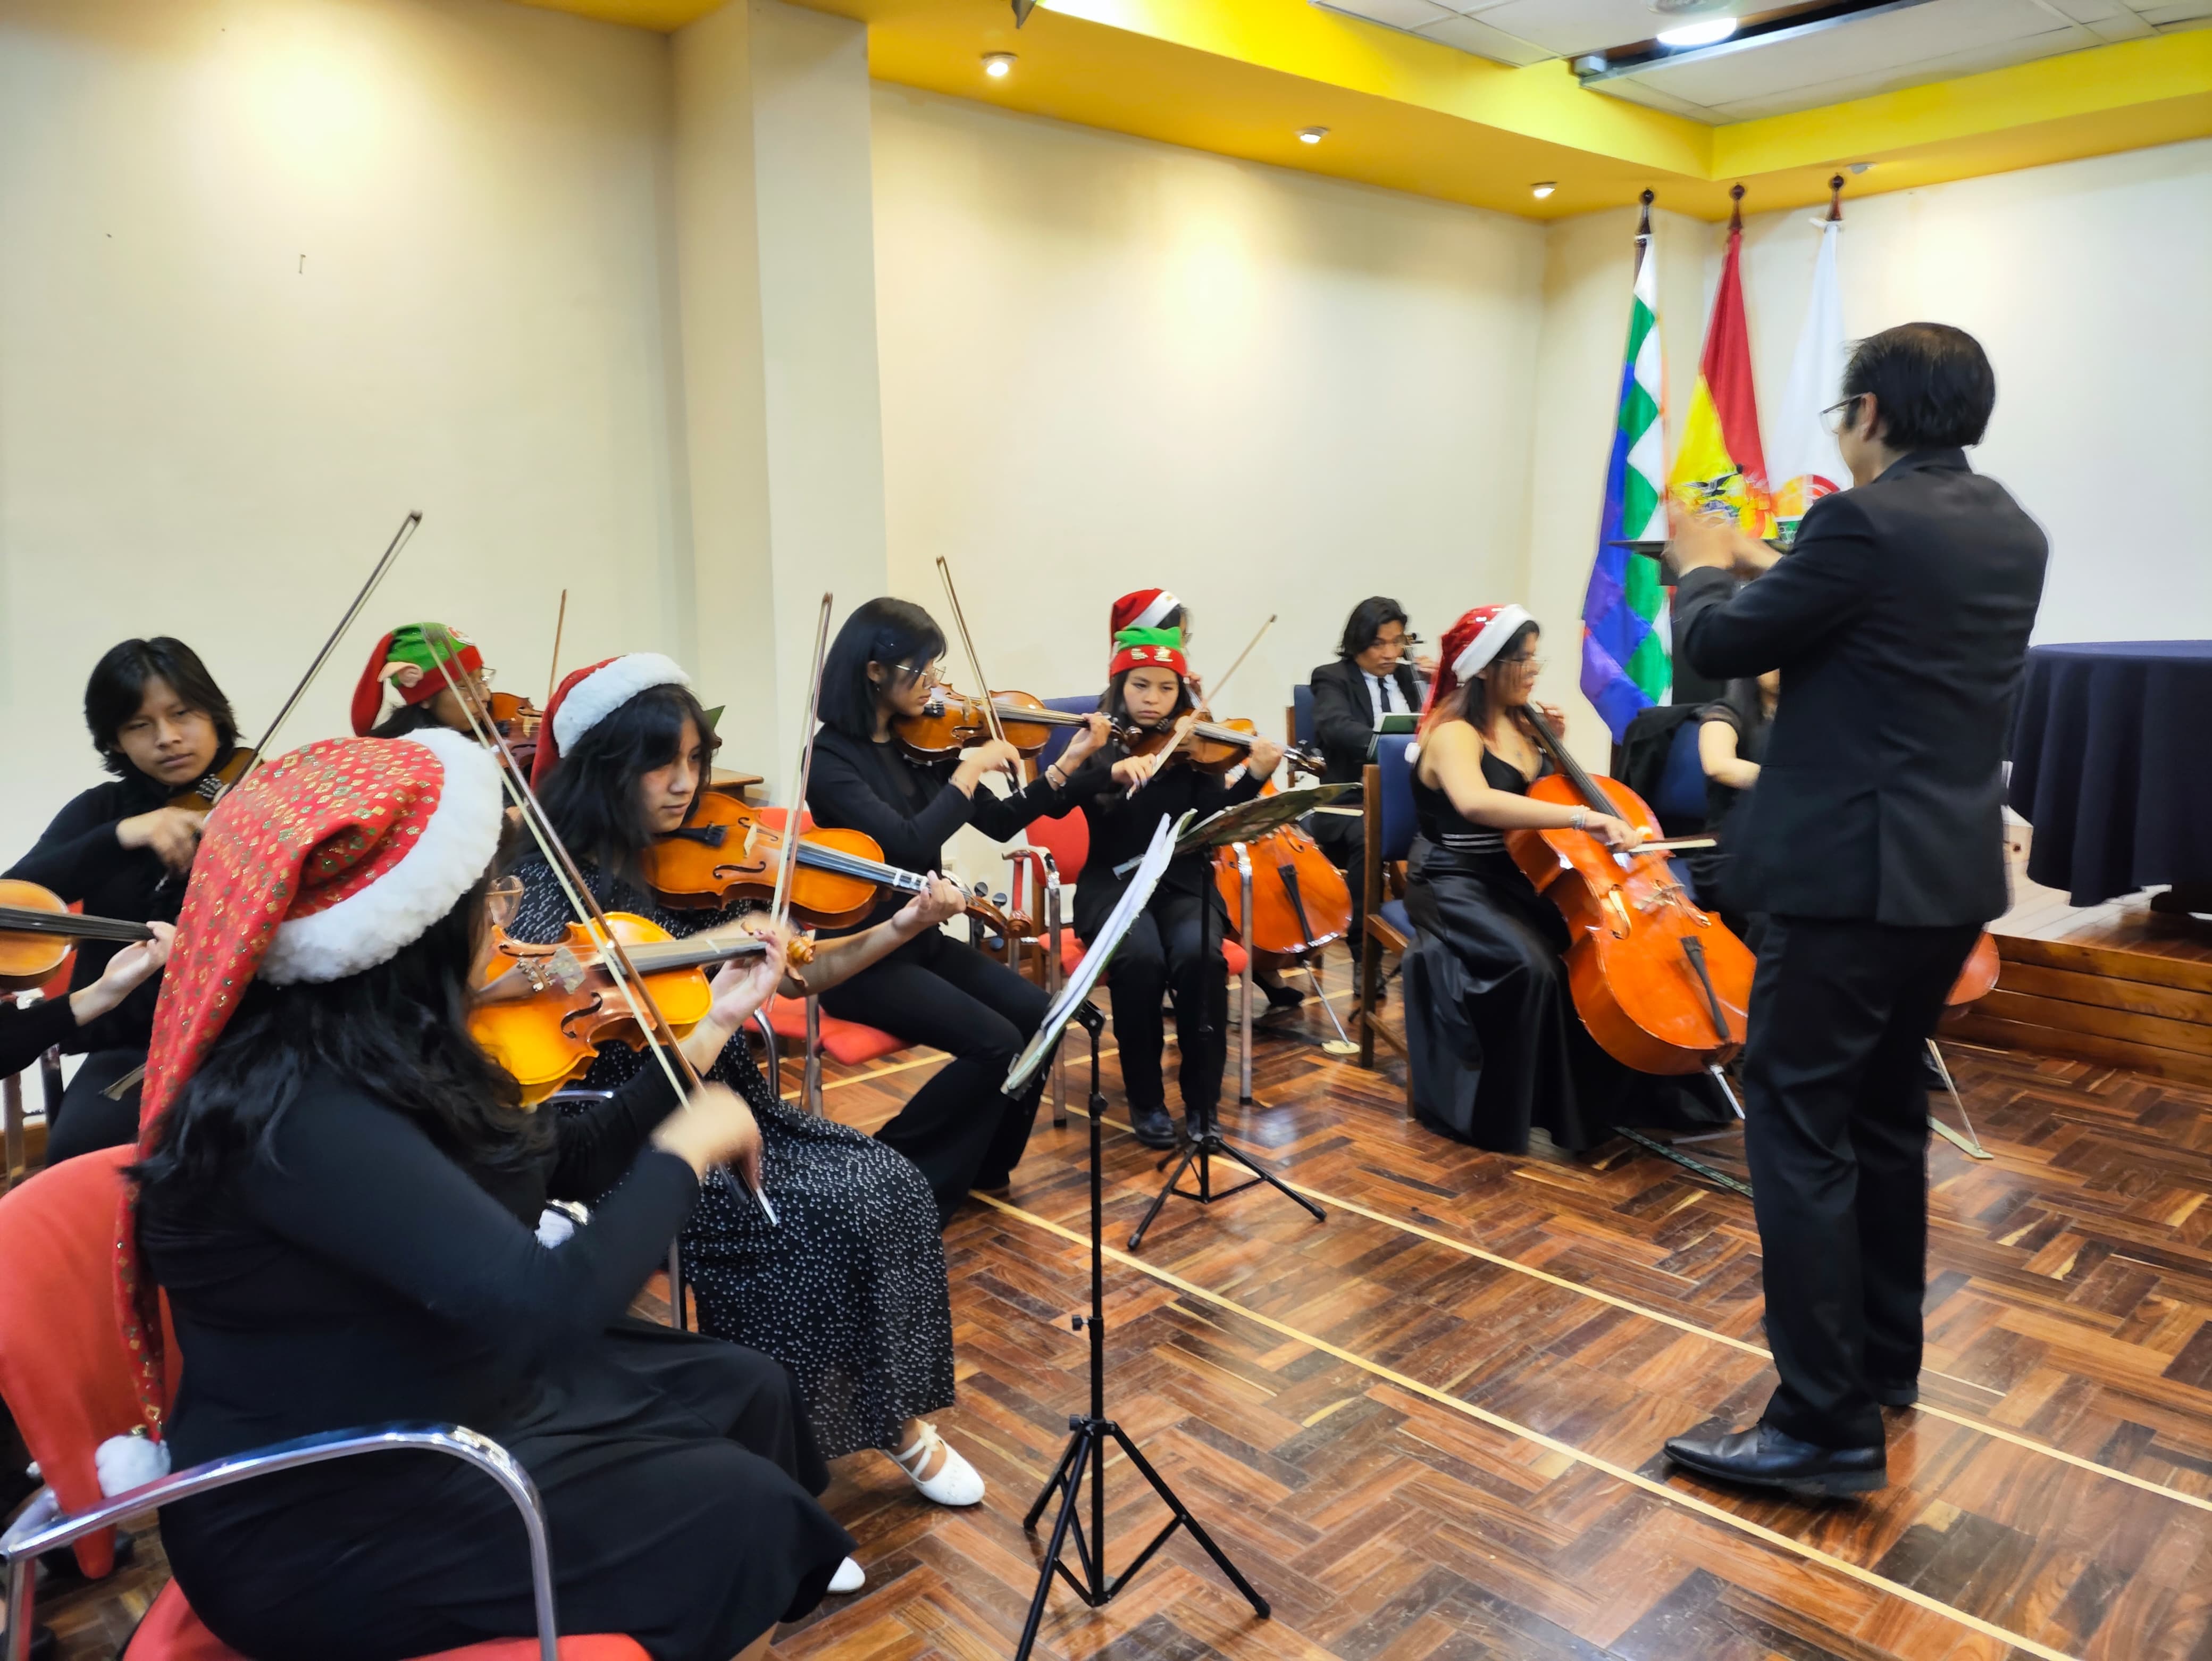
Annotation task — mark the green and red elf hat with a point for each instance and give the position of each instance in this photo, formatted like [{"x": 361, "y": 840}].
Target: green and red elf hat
[
  {"x": 411, "y": 660},
  {"x": 326, "y": 862},
  {"x": 1139, "y": 639}
]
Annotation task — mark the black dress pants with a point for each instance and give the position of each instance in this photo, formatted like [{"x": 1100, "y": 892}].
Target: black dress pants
[
  {"x": 85, "y": 1118},
  {"x": 1836, "y": 1131},
  {"x": 1162, "y": 953},
  {"x": 1345, "y": 841},
  {"x": 959, "y": 1128}
]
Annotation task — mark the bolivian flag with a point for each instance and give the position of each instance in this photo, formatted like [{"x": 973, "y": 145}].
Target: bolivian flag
[{"x": 1720, "y": 462}]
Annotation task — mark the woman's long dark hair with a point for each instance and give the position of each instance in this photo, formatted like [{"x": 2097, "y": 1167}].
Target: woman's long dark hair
[
  {"x": 407, "y": 718},
  {"x": 118, "y": 687},
  {"x": 592, "y": 797},
  {"x": 886, "y": 631},
  {"x": 397, "y": 1031}
]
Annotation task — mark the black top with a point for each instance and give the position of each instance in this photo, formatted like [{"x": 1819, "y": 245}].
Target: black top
[
  {"x": 1444, "y": 826},
  {"x": 1121, "y": 828},
  {"x": 1743, "y": 711},
  {"x": 1343, "y": 717},
  {"x": 1900, "y": 619},
  {"x": 357, "y": 1273},
  {"x": 79, "y": 858},
  {"x": 27, "y": 1034},
  {"x": 908, "y": 806}
]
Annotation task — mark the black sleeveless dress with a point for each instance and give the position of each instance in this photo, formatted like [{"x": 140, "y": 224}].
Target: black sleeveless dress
[{"x": 1493, "y": 1041}]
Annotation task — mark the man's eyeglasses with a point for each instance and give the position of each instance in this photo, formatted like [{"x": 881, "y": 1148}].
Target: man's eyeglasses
[{"x": 1838, "y": 417}]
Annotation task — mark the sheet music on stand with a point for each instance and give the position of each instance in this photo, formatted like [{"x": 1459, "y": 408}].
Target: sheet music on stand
[
  {"x": 1150, "y": 868},
  {"x": 1248, "y": 821}
]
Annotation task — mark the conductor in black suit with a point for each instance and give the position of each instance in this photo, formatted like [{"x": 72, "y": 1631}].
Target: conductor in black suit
[
  {"x": 1371, "y": 678},
  {"x": 1900, "y": 621}
]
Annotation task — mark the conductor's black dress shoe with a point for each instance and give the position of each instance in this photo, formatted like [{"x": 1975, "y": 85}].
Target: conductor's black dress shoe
[{"x": 1763, "y": 1457}]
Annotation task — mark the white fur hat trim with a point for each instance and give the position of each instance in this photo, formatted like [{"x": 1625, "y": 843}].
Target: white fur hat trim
[
  {"x": 1490, "y": 642},
  {"x": 369, "y": 927},
  {"x": 603, "y": 691}
]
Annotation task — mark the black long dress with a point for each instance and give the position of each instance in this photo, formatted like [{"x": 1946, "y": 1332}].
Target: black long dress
[
  {"x": 1494, "y": 1044},
  {"x": 848, "y": 1288},
  {"x": 959, "y": 1128},
  {"x": 355, "y": 1274},
  {"x": 77, "y": 857}
]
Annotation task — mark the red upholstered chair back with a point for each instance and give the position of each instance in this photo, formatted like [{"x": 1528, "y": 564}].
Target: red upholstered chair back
[
  {"x": 171, "y": 1632},
  {"x": 1066, "y": 838},
  {"x": 62, "y": 1367}
]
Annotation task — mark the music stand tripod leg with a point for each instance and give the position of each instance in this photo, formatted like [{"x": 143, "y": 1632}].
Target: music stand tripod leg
[{"x": 1088, "y": 1434}]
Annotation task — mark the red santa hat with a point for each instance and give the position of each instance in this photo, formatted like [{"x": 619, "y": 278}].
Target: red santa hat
[
  {"x": 588, "y": 696},
  {"x": 412, "y": 660},
  {"x": 326, "y": 862},
  {"x": 1142, "y": 609},
  {"x": 1470, "y": 645}
]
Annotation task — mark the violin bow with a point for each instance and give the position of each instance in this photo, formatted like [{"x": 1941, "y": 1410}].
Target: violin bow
[
  {"x": 399, "y": 540},
  {"x": 553, "y": 675},
  {"x": 1184, "y": 727},
  {"x": 803, "y": 770},
  {"x": 666, "y": 1049},
  {"x": 975, "y": 664}
]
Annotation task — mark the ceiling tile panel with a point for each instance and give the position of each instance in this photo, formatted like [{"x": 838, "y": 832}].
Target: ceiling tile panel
[
  {"x": 1398, "y": 14},
  {"x": 1473, "y": 34},
  {"x": 1568, "y": 27},
  {"x": 1914, "y": 74}
]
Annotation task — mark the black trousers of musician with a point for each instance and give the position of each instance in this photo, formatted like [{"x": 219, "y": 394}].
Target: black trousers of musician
[
  {"x": 85, "y": 1119},
  {"x": 1162, "y": 953},
  {"x": 960, "y": 1128},
  {"x": 1836, "y": 1131}
]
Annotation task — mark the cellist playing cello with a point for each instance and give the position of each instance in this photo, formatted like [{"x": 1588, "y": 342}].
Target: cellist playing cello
[{"x": 1495, "y": 1046}]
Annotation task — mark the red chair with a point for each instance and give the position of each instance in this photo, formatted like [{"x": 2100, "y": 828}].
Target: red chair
[
  {"x": 849, "y": 1042},
  {"x": 67, "y": 1379}
]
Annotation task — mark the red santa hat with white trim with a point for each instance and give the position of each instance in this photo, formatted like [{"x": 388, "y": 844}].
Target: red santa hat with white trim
[
  {"x": 328, "y": 861},
  {"x": 588, "y": 696}
]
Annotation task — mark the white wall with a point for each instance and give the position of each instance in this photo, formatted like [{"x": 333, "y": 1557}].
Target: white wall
[
  {"x": 2089, "y": 283},
  {"x": 272, "y": 273},
  {"x": 1110, "y": 363}
]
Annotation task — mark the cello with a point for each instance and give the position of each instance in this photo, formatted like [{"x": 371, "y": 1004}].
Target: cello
[{"x": 1662, "y": 985}]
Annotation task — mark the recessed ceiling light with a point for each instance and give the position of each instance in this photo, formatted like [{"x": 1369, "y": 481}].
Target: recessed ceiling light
[
  {"x": 1707, "y": 32},
  {"x": 1312, "y": 135},
  {"x": 998, "y": 64},
  {"x": 1539, "y": 192}
]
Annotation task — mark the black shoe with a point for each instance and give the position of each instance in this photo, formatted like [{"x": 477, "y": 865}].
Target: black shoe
[
  {"x": 1897, "y": 1395},
  {"x": 1152, "y": 1126},
  {"x": 1283, "y": 996},
  {"x": 1764, "y": 1457}
]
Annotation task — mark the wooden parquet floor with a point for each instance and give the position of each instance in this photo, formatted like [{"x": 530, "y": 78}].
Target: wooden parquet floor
[{"x": 1428, "y": 1429}]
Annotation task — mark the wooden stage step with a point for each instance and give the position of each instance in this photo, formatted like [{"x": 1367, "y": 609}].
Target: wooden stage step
[{"x": 2117, "y": 983}]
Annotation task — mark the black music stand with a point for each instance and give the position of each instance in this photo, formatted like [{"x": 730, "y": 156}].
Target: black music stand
[
  {"x": 1090, "y": 1433},
  {"x": 1201, "y": 1141}
]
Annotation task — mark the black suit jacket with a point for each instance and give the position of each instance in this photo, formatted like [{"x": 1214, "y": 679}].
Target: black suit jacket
[
  {"x": 1343, "y": 717},
  {"x": 1900, "y": 622}
]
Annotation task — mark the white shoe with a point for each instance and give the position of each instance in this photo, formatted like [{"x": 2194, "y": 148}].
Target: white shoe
[
  {"x": 850, "y": 1577},
  {"x": 956, "y": 1482}
]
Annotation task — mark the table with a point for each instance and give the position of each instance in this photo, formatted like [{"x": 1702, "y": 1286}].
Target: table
[{"x": 2112, "y": 764}]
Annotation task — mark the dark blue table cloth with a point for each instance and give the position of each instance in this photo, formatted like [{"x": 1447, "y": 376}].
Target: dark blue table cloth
[{"x": 2112, "y": 764}]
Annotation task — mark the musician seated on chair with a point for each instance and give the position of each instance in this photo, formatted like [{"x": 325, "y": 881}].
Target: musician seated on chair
[
  {"x": 1493, "y": 1042},
  {"x": 1731, "y": 747},
  {"x": 163, "y": 727},
  {"x": 1373, "y": 677}
]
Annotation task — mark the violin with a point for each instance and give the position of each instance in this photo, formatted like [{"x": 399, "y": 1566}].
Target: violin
[
  {"x": 543, "y": 1011},
  {"x": 37, "y": 932},
  {"x": 950, "y": 722},
  {"x": 204, "y": 792},
  {"x": 727, "y": 853},
  {"x": 1662, "y": 985},
  {"x": 514, "y": 714},
  {"x": 1213, "y": 746}
]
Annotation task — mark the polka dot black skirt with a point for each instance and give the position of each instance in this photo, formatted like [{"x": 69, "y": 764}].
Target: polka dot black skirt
[{"x": 848, "y": 1288}]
